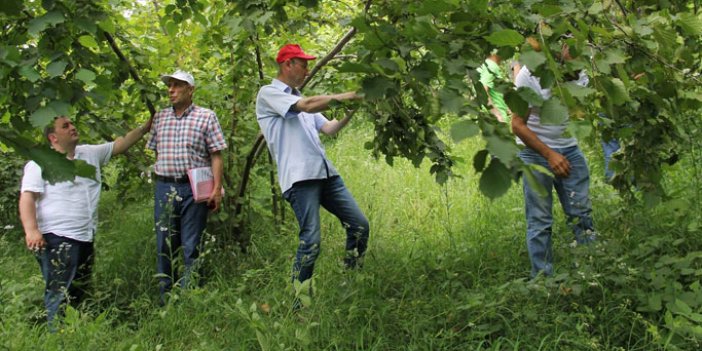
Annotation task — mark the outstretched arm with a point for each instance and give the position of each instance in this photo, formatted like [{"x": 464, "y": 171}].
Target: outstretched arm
[
  {"x": 558, "y": 163},
  {"x": 122, "y": 144},
  {"x": 28, "y": 216},
  {"x": 332, "y": 127},
  {"x": 320, "y": 103}
]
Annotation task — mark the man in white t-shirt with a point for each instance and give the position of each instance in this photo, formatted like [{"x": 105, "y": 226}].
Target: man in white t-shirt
[
  {"x": 548, "y": 145},
  {"x": 60, "y": 219}
]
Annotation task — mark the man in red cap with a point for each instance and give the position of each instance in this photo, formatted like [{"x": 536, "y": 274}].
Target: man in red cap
[{"x": 291, "y": 125}]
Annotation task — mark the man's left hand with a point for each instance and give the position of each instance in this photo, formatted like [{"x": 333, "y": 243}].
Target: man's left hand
[{"x": 215, "y": 200}]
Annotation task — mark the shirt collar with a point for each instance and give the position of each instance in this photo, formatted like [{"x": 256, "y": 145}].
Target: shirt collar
[
  {"x": 186, "y": 112},
  {"x": 284, "y": 87}
]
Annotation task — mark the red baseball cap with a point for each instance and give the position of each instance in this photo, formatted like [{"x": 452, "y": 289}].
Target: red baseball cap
[{"x": 290, "y": 51}]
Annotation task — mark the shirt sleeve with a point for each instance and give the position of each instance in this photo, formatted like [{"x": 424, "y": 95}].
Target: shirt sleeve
[
  {"x": 32, "y": 179},
  {"x": 215, "y": 136},
  {"x": 278, "y": 101},
  {"x": 151, "y": 144},
  {"x": 319, "y": 121},
  {"x": 486, "y": 77}
]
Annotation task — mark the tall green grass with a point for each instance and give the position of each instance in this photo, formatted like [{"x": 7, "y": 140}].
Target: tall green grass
[{"x": 446, "y": 269}]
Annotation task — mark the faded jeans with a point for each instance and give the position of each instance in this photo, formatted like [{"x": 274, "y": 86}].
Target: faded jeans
[
  {"x": 574, "y": 195},
  {"x": 305, "y": 197}
]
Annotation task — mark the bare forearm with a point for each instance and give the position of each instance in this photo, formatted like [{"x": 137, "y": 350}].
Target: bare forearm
[
  {"x": 528, "y": 137},
  {"x": 122, "y": 144},
  {"x": 320, "y": 103},
  {"x": 28, "y": 212},
  {"x": 217, "y": 170}
]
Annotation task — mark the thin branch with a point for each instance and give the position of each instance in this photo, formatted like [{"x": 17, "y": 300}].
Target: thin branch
[
  {"x": 621, "y": 7},
  {"x": 132, "y": 71}
]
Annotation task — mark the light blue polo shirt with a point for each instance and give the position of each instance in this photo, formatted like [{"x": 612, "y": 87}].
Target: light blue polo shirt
[{"x": 292, "y": 137}]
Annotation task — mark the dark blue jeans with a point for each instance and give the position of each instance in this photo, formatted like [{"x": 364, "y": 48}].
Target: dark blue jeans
[
  {"x": 305, "y": 197},
  {"x": 66, "y": 265},
  {"x": 574, "y": 195},
  {"x": 179, "y": 222}
]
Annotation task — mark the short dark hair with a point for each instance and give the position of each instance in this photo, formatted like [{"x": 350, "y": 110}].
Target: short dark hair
[{"x": 50, "y": 128}]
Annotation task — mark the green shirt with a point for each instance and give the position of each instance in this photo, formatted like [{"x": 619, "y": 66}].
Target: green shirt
[{"x": 489, "y": 72}]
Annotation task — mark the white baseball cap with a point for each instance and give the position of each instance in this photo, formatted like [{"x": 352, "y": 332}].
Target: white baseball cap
[{"x": 179, "y": 75}]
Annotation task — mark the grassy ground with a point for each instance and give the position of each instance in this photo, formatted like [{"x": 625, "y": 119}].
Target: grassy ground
[{"x": 446, "y": 269}]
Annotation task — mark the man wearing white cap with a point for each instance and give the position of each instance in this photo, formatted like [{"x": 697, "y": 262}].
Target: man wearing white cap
[
  {"x": 291, "y": 125},
  {"x": 184, "y": 136}
]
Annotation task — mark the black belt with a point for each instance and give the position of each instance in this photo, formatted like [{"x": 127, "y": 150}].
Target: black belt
[{"x": 180, "y": 180}]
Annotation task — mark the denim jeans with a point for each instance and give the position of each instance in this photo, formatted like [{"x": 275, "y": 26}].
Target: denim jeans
[
  {"x": 608, "y": 148},
  {"x": 305, "y": 197},
  {"x": 179, "y": 223},
  {"x": 66, "y": 265},
  {"x": 574, "y": 195}
]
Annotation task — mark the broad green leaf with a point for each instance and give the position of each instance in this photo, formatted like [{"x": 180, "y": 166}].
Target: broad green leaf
[
  {"x": 505, "y": 37},
  {"x": 529, "y": 172},
  {"x": 171, "y": 28},
  {"x": 596, "y": 8},
  {"x": 61, "y": 108},
  {"x": 376, "y": 87},
  {"x": 85, "y": 75},
  {"x": 56, "y": 68},
  {"x": 530, "y": 96},
  {"x": 42, "y": 116},
  {"x": 616, "y": 91},
  {"x": 505, "y": 149},
  {"x": 532, "y": 59},
  {"x": 107, "y": 25},
  {"x": 38, "y": 24},
  {"x": 88, "y": 41},
  {"x": 580, "y": 129},
  {"x": 464, "y": 129},
  {"x": 495, "y": 180},
  {"x": 578, "y": 91},
  {"x": 690, "y": 23},
  {"x": 353, "y": 67},
  {"x": 451, "y": 101},
  {"x": 479, "y": 160},
  {"x": 553, "y": 112},
  {"x": 30, "y": 73},
  {"x": 516, "y": 103}
]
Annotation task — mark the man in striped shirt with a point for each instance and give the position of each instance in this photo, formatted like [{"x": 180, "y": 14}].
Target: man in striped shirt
[{"x": 184, "y": 136}]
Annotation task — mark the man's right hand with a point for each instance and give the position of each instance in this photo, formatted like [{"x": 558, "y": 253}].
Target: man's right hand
[
  {"x": 35, "y": 241},
  {"x": 559, "y": 164}
]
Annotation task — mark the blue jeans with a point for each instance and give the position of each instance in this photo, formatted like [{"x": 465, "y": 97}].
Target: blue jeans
[
  {"x": 305, "y": 197},
  {"x": 609, "y": 147},
  {"x": 574, "y": 195},
  {"x": 66, "y": 265},
  {"x": 179, "y": 222}
]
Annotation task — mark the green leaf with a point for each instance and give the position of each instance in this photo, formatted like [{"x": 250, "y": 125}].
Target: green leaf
[
  {"x": 616, "y": 91},
  {"x": 504, "y": 148},
  {"x": 56, "y": 68},
  {"x": 85, "y": 75},
  {"x": 553, "y": 112},
  {"x": 530, "y": 96},
  {"x": 88, "y": 41},
  {"x": 529, "y": 173},
  {"x": 479, "y": 160},
  {"x": 38, "y": 24},
  {"x": 42, "y": 117},
  {"x": 464, "y": 129},
  {"x": 375, "y": 88},
  {"x": 107, "y": 25},
  {"x": 61, "y": 108},
  {"x": 495, "y": 180},
  {"x": 516, "y": 103},
  {"x": 505, "y": 37},
  {"x": 596, "y": 8},
  {"x": 30, "y": 73},
  {"x": 451, "y": 101},
  {"x": 353, "y": 67},
  {"x": 532, "y": 59},
  {"x": 578, "y": 91},
  {"x": 580, "y": 129},
  {"x": 690, "y": 23}
]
